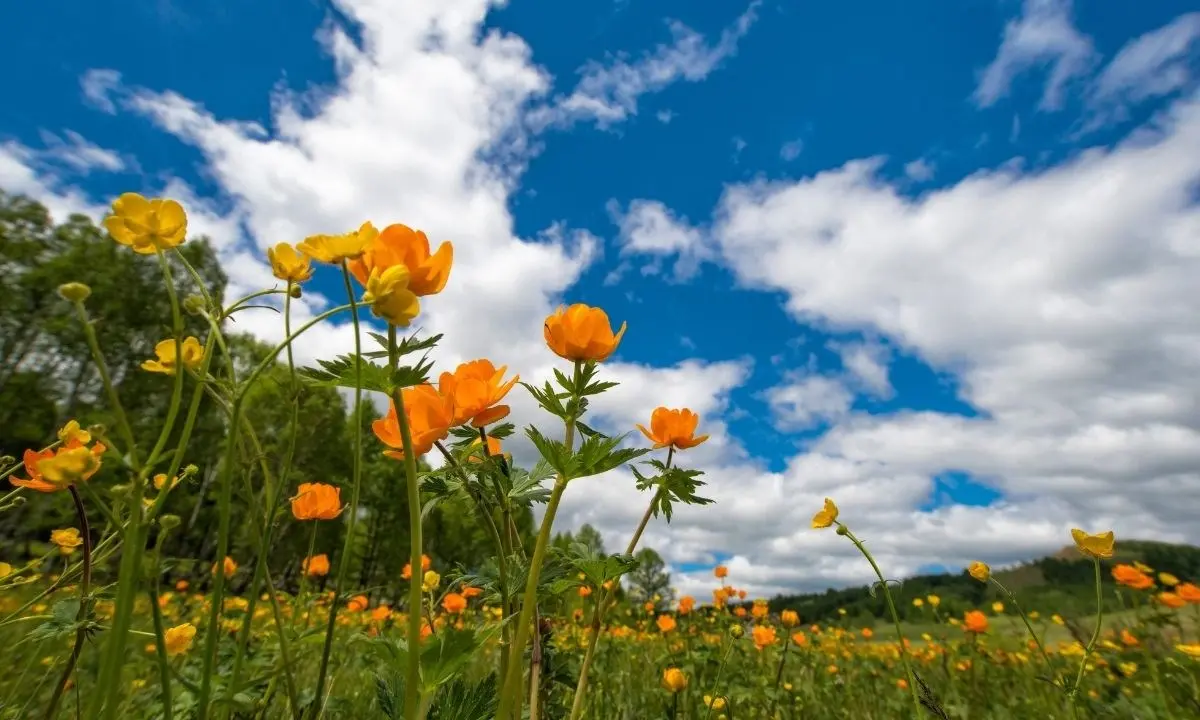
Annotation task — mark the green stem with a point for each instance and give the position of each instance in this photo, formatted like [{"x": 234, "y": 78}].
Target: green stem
[
  {"x": 123, "y": 427},
  {"x": 412, "y": 687},
  {"x": 177, "y": 390},
  {"x": 356, "y": 472},
  {"x": 160, "y": 642},
  {"x": 1074, "y": 692},
  {"x": 717, "y": 681},
  {"x": 1028, "y": 626},
  {"x": 302, "y": 595},
  {"x": 84, "y": 588},
  {"x": 779, "y": 673},
  {"x": 887, "y": 594}
]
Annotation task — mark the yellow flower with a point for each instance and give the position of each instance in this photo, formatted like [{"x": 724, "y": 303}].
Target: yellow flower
[
  {"x": 674, "y": 680},
  {"x": 933, "y": 600},
  {"x": 1168, "y": 579},
  {"x": 716, "y": 703},
  {"x": 826, "y": 516},
  {"x": 1128, "y": 668},
  {"x": 72, "y": 435},
  {"x": 789, "y": 618},
  {"x": 1189, "y": 650},
  {"x": 289, "y": 265},
  {"x": 980, "y": 571},
  {"x": 1057, "y": 619},
  {"x": 71, "y": 466},
  {"x": 67, "y": 539},
  {"x": 389, "y": 296},
  {"x": 161, "y": 481},
  {"x": 147, "y": 226},
  {"x": 918, "y": 602},
  {"x": 430, "y": 581},
  {"x": 5, "y": 570},
  {"x": 166, "y": 362},
  {"x": 997, "y": 607},
  {"x": 179, "y": 638},
  {"x": 1097, "y": 546},
  {"x": 334, "y": 249}
]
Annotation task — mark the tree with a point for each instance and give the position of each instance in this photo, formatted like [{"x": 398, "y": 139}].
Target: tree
[{"x": 650, "y": 581}]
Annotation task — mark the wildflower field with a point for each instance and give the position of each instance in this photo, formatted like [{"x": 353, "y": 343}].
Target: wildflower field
[{"x": 204, "y": 532}]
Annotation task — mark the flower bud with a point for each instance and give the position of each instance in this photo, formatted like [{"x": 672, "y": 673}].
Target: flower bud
[
  {"x": 193, "y": 304},
  {"x": 295, "y": 291},
  {"x": 169, "y": 522},
  {"x": 737, "y": 631},
  {"x": 841, "y": 530},
  {"x": 6, "y": 461},
  {"x": 75, "y": 292},
  {"x": 190, "y": 469}
]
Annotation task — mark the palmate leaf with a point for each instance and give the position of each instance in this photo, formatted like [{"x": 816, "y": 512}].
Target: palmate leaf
[
  {"x": 341, "y": 371},
  {"x": 444, "y": 655},
  {"x": 62, "y": 622},
  {"x": 675, "y": 485},
  {"x": 600, "y": 454},
  {"x": 460, "y": 700}
]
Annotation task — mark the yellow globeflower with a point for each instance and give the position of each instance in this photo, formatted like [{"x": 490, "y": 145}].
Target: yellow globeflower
[
  {"x": 430, "y": 581},
  {"x": 674, "y": 680},
  {"x": 1098, "y": 546},
  {"x": 191, "y": 355},
  {"x": 71, "y": 466},
  {"x": 289, "y": 265},
  {"x": 1168, "y": 579},
  {"x": 147, "y": 226},
  {"x": 334, "y": 249},
  {"x": 1189, "y": 650},
  {"x": 980, "y": 571},
  {"x": 72, "y": 434},
  {"x": 5, "y": 570},
  {"x": 67, "y": 539},
  {"x": 389, "y": 296},
  {"x": 179, "y": 638},
  {"x": 826, "y": 516}
]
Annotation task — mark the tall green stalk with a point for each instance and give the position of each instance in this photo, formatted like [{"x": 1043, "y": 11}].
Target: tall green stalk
[{"x": 1087, "y": 652}]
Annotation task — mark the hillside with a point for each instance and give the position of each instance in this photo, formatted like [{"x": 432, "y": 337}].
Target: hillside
[{"x": 1060, "y": 583}]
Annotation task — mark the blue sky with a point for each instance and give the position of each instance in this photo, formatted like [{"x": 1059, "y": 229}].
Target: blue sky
[{"x": 861, "y": 238}]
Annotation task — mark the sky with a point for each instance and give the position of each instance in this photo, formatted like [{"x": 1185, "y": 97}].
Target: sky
[{"x": 937, "y": 261}]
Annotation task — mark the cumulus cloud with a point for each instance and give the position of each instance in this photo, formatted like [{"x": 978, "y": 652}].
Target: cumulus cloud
[
  {"x": 1043, "y": 35},
  {"x": 1151, "y": 65},
  {"x": 807, "y": 401},
  {"x": 649, "y": 228}
]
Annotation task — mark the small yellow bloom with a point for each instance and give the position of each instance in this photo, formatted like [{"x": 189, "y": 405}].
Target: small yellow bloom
[
  {"x": 826, "y": 516},
  {"x": 147, "y": 226},
  {"x": 1189, "y": 650},
  {"x": 1168, "y": 579},
  {"x": 933, "y": 600},
  {"x": 289, "y": 265},
  {"x": 67, "y": 539},
  {"x": 71, "y": 434},
  {"x": 179, "y": 638},
  {"x": 160, "y": 481},
  {"x": 430, "y": 581},
  {"x": 674, "y": 680},
  {"x": 1128, "y": 668},
  {"x": 1096, "y": 546},
  {"x": 716, "y": 703},
  {"x": 980, "y": 571},
  {"x": 918, "y": 602},
  {"x": 1057, "y": 619},
  {"x": 228, "y": 567},
  {"x": 192, "y": 354},
  {"x": 71, "y": 466},
  {"x": 389, "y": 296},
  {"x": 997, "y": 607},
  {"x": 333, "y": 249},
  {"x": 5, "y": 570}
]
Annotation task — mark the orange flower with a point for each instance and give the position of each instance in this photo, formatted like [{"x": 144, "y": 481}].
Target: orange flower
[
  {"x": 868, "y": 633},
  {"x": 182, "y": 585},
  {"x": 789, "y": 618},
  {"x": 581, "y": 333},
  {"x": 975, "y": 621},
  {"x": 425, "y": 565},
  {"x": 401, "y": 245},
  {"x": 1188, "y": 592},
  {"x": 759, "y": 609},
  {"x": 720, "y": 572},
  {"x": 799, "y": 638},
  {"x": 1131, "y": 577},
  {"x": 430, "y": 416},
  {"x": 317, "y": 501},
  {"x": 381, "y": 613},
  {"x": 740, "y": 611},
  {"x": 475, "y": 388},
  {"x": 228, "y": 567},
  {"x": 1171, "y": 600},
  {"x": 494, "y": 450},
  {"x": 665, "y": 623},
  {"x": 316, "y": 566},
  {"x": 763, "y": 635},
  {"x": 470, "y": 591},
  {"x": 686, "y": 604},
  {"x": 454, "y": 603},
  {"x": 358, "y": 603},
  {"x": 674, "y": 428},
  {"x": 1128, "y": 639},
  {"x": 35, "y": 481}
]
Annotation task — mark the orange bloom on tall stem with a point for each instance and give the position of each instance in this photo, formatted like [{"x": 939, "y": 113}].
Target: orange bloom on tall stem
[
  {"x": 1131, "y": 577},
  {"x": 454, "y": 603},
  {"x": 317, "y": 501},
  {"x": 401, "y": 245},
  {"x": 430, "y": 417},
  {"x": 425, "y": 565},
  {"x": 316, "y": 566},
  {"x": 475, "y": 388},
  {"x": 975, "y": 621},
  {"x": 673, "y": 428},
  {"x": 1188, "y": 592},
  {"x": 581, "y": 333}
]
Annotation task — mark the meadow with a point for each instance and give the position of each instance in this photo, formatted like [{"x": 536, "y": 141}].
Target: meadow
[{"x": 193, "y": 527}]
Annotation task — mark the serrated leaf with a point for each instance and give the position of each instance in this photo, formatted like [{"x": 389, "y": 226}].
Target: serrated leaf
[
  {"x": 552, "y": 451},
  {"x": 342, "y": 371},
  {"x": 460, "y": 700}
]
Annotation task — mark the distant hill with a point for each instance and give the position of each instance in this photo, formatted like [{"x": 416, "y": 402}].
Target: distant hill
[{"x": 1060, "y": 583}]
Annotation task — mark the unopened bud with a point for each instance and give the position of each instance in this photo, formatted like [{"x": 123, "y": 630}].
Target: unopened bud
[
  {"x": 6, "y": 460},
  {"x": 193, "y": 304},
  {"x": 841, "y": 530},
  {"x": 737, "y": 631},
  {"x": 169, "y": 522},
  {"x": 74, "y": 291},
  {"x": 295, "y": 291},
  {"x": 190, "y": 470}
]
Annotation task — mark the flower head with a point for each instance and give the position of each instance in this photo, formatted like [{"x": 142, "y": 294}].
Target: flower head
[
  {"x": 1098, "y": 546},
  {"x": 67, "y": 466},
  {"x": 401, "y": 246},
  {"x": 763, "y": 636},
  {"x": 975, "y": 621},
  {"x": 674, "y": 680},
  {"x": 316, "y": 566},
  {"x": 430, "y": 416},
  {"x": 1171, "y": 600},
  {"x": 67, "y": 539},
  {"x": 227, "y": 567},
  {"x": 980, "y": 571},
  {"x": 289, "y": 265},
  {"x": 390, "y": 297},
  {"x": 1167, "y": 579},
  {"x": 72, "y": 435},
  {"x": 673, "y": 428},
  {"x": 581, "y": 333},
  {"x": 191, "y": 355},
  {"x": 665, "y": 623},
  {"x": 1188, "y": 592},
  {"x": 826, "y": 516},
  {"x": 1131, "y": 577},
  {"x": 720, "y": 572},
  {"x": 687, "y": 603},
  {"x": 789, "y": 618},
  {"x": 147, "y": 226},
  {"x": 454, "y": 603},
  {"x": 5, "y": 570},
  {"x": 425, "y": 565},
  {"x": 475, "y": 388},
  {"x": 178, "y": 639},
  {"x": 430, "y": 581},
  {"x": 317, "y": 501},
  {"x": 334, "y": 249},
  {"x": 358, "y": 603}
]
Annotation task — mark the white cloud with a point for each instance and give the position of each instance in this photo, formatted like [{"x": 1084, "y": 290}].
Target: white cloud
[
  {"x": 665, "y": 116},
  {"x": 867, "y": 365},
  {"x": 739, "y": 144},
  {"x": 806, "y": 401},
  {"x": 97, "y": 85},
  {"x": 79, "y": 154},
  {"x": 1043, "y": 35},
  {"x": 919, "y": 170},
  {"x": 791, "y": 149},
  {"x": 1151, "y": 65},
  {"x": 649, "y": 228},
  {"x": 608, "y": 92}
]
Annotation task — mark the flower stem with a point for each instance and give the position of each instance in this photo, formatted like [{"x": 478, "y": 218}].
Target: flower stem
[
  {"x": 177, "y": 389},
  {"x": 356, "y": 472},
  {"x": 717, "y": 681},
  {"x": 84, "y": 588},
  {"x": 779, "y": 674},
  {"x": 160, "y": 642},
  {"x": 1074, "y": 692}
]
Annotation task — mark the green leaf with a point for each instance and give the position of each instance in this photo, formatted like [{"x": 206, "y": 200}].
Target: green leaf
[
  {"x": 553, "y": 452},
  {"x": 341, "y": 371},
  {"x": 460, "y": 700},
  {"x": 600, "y": 454},
  {"x": 62, "y": 622},
  {"x": 445, "y": 654}
]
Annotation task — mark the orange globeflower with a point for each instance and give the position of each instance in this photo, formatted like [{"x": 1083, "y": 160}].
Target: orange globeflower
[
  {"x": 381, "y": 613},
  {"x": 430, "y": 416},
  {"x": 1188, "y": 592},
  {"x": 1131, "y": 577},
  {"x": 581, "y": 333},
  {"x": 975, "y": 621},
  {"x": 789, "y": 618},
  {"x": 475, "y": 388},
  {"x": 454, "y": 603},
  {"x": 1171, "y": 600},
  {"x": 317, "y": 501},
  {"x": 686, "y": 604},
  {"x": 406, "y": 573},
  {"x": 665, "y": 623},
  {"x": 358, "y": 603},
  {"x": 471, "y": 591},
  {"x": 584, "y": 591},
  {"x": 316, "y": 566},
  {"x": 227, "y": 567},
  {"x": 673, "y": 428},
  {"x": 401, "y": 245},
  {"x": 764, "y": 635},
  {"x": 35, "y": 482},
  {"x": 720, "y": 572}
]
